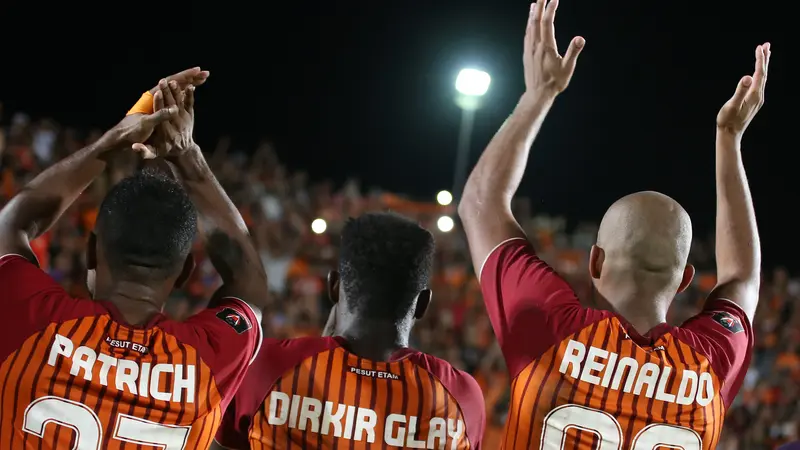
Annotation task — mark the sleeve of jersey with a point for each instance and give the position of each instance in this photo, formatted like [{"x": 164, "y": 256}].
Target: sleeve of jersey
[
  {"x": 22, "y": 280},
  {"x": 722, "y": 333},
  {"x": 469, "y": 396},
  {"x": 227, "y": 336},
  {"x": 233, "y": 431},
  {"x": 529, "y": 304},
  {"x": 31, "y": 300},
  {"x": 465, "y": 390}
]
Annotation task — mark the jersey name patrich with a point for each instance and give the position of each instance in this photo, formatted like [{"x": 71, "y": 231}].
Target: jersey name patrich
[
  {"x": 606, "y": 369},
  {"x": 138, "y": 379},
  {"x": 361, "y": 424}
]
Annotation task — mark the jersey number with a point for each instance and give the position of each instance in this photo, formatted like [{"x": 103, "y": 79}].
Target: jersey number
[
  {"x": 89, "y": 431},
  {"x": 609, "y": 433}
]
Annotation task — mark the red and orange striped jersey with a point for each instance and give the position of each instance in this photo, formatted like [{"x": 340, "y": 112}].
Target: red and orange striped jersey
[
  {"x": 312, "y": 393},
  {"x": 74, "y": 375},
  {"x": 585, "y": 379}
]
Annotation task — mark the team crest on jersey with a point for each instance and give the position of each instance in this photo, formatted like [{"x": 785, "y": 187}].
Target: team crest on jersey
[
  {"x": 234, "y": 319},
  {"x": 729, "y": 322}
]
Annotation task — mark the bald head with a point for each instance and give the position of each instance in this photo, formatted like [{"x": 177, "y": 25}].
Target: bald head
[{"x": 646, "y": 231}]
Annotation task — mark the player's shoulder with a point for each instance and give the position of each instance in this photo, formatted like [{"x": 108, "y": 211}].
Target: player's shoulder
[
  {"x": 302, "y": 347},
  {"x": 30, "y": 290},
  {"x": 277, "y": 356},
  {"x": 721, "y": 323},
  {"x": 462, "y": 387},
  {"x": 439, "y": 367},
  {"x": 723, "y": 312},
  {"x": 459, "y": 383},
  {"x": 22, "y": 278}
]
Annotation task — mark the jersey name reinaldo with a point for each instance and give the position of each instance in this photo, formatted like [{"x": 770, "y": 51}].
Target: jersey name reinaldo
[{"x": 606, "y": 369}]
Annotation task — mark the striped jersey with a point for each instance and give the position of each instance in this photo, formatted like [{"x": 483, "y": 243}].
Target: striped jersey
[
  {"x": 74, "y": 375},
  {"x": 585, "y": 379},
  {"x": 313, "y": 393}
]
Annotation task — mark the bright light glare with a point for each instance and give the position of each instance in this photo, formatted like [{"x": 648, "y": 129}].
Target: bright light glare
[
  {"x": 319, "y": 226},
  {"x": 445, "y": 223},
  {"x": 473, "y": 82},
  {"x": 444, "y": 198}
]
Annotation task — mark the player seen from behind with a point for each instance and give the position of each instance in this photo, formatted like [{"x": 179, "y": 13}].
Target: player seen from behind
[
  {"x": 621, "y": 379},
  {"x": 102, "y": 373},
  {"x": 363, "y": 387}
]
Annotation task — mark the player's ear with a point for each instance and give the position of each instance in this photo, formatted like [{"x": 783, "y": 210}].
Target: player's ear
[
  {"x": 186, "y": 271},
  {"x": 91, "y": 252},
  {"x": 596, "y": 258},
  {"x": 688, "y": 276},
  {"x": 423, "y": 301},
  {"x": 333, "y": 286}
]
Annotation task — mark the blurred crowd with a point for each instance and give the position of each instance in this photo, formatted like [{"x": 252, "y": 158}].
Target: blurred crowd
[{"x": 280, "y": 206}]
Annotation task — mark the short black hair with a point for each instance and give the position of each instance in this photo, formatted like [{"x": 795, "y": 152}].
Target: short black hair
[
  {"x": 146, "y": 226},
  {"x": 385, "y": 261}
]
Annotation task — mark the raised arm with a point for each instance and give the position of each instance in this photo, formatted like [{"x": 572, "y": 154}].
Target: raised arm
[
  {"x": 228, "y": 241},
  {"x": 39, "y": 205},
  {"x": 738, "y": 245},
  {"x": 485, "y": 207}
]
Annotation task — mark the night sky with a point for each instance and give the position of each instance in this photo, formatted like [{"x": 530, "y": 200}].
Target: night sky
[{"x": 366, "y": 89}]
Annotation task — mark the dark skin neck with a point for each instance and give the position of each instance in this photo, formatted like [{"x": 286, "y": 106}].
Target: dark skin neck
[
  {"x": 136, "y": 302},
  {"x": 375, "y": 340}
]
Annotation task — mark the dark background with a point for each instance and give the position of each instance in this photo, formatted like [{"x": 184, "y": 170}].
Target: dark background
[{"x": 365, "y": 89}]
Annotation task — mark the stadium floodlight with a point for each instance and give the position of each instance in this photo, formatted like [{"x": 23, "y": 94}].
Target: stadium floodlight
[
  {"x": 444, "y": 198},
  {"x": 318, "y": 226},
  {"x": 445, "y": 224},
  {"x": 473, "y": 82}
]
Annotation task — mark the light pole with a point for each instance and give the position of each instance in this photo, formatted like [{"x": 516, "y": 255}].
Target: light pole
[{"x": 471, "y": 85}]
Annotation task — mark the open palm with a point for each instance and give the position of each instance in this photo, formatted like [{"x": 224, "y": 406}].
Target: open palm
[
  {"x": 545, "y": 68},
  {"x": 737, "y": 113}
]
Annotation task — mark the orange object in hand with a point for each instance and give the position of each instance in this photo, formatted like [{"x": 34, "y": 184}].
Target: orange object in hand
[{"x": 143, "y": 106}]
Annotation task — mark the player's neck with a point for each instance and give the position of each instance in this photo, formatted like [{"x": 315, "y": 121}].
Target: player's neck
[
  {"x": 375, "y": 341},
  {"x": 642, "y": 321},
  {"x": 642, "y": 308},
  {"x": 137, "y": 303}
]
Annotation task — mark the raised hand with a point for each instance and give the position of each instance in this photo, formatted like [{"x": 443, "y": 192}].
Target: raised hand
[
  {"x": 137, "y": 129},
  {"x": 194, "y": 77},
  {"x": 546, "y": 71},
  {"x": 736, "y": 113},
  {"x": 178, "y": 132},
  {"x": 176, "y": 135}
]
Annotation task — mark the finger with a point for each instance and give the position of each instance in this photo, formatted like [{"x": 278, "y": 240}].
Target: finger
[
  {"x": 534, "y": 23},
  {"x": 573, "y": 51},
  {"x": 158, "y": 101},
  {"x": 548, "y": 29},
  {"x": 767, "y": 53},
  {"x": 741, "y": 91},
  {"x": 169, "y": 99},
  {"x": 755, "y": 94},
  {"x": 188, "y": 103},
  {"x": 539, "y": 14},
  {"x": 530, "y": 31},
  {"x": 145, "y": 151},
  {"x": 201, "y": 78},
  {"x": 176, "y": 93},
  {"x": 183, "y": 76},
  {"x": 161, "y": 115},
  {"x": 760, "y": 70}
]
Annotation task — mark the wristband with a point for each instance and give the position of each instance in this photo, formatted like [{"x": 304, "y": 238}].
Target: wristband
[{"x": 143, "y": 106}]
